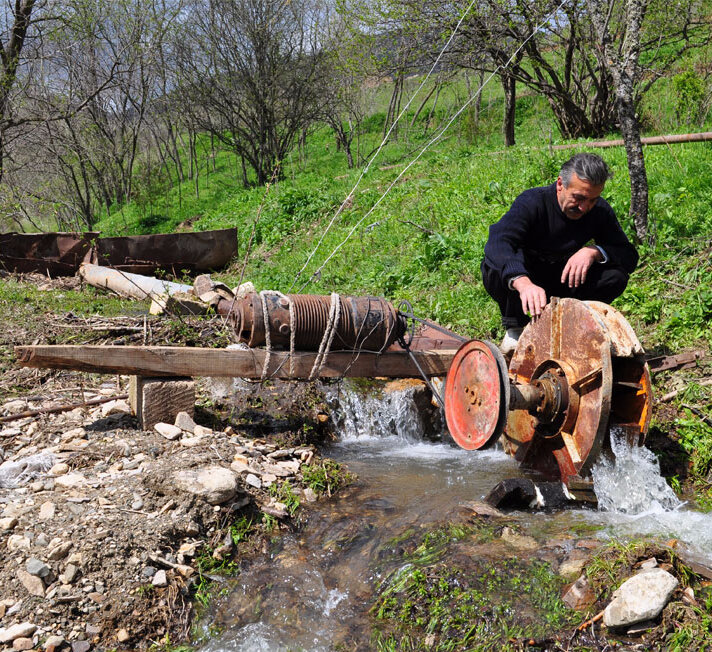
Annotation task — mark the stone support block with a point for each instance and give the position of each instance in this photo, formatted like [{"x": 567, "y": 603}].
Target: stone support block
[{"x": 155, "y": 400}]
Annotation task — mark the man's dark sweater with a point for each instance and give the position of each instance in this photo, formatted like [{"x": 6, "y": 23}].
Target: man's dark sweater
[{"x": 535, "y": 232}]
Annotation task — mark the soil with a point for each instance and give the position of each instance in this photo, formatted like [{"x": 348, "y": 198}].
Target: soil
[{"x": 100, "y": 547}]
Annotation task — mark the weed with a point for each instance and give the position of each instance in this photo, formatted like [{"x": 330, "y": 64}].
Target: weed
[
  {"x": 326, "y": 476},
  {"x": 282, "y": 491}
]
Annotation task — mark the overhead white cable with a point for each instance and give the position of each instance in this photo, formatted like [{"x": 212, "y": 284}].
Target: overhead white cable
[
  {"x": 380, "y": 147},
  {"x": 435, "y": 139}
]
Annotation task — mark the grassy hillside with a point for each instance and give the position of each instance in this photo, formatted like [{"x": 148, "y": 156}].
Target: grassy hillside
[{"x": 424, "y": 241}]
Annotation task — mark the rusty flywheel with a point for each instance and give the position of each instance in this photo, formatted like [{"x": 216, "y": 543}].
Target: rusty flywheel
[{"x": 577, "y": 372}]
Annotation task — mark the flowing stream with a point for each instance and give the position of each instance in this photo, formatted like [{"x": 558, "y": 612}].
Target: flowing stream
[{"x": 314, "y": 591}]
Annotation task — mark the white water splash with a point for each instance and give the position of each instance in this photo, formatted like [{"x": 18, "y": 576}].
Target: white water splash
[
  {"x": 631, "y": 483},
  {"x": 638, "y": 501},
  {"x": 377, "y": 414}
]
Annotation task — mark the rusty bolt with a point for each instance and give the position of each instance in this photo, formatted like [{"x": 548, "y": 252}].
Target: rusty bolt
[
  {"x": 284, "y": 302},
  {"x": 284, "y": 329}
]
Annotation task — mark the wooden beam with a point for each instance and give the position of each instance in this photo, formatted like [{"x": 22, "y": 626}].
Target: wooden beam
[{"x": 187, "y": 361}]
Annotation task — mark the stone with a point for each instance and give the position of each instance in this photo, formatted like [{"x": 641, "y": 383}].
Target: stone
[
  {"x": 293, "y": 466},
  {"x": 58, "y": 549},
  {"x": 97, "y": 597},
  {"x": 53, "y": 643},
  {"x": 649, "y": 563},
  {"x": 59, "y": 469},
  {"x": 192, "y": 441},
  {"x": 71, "y": 572},
  {"x": 202, "y": 431},
  {"x": 33, "y": 584},
  {"x": 122, "y": 636},
  {"x": 519, "y": 541},
  {"x": 47, "y": 511},
  {"x": 579, "y": 595},
  {"x": 185, "y": 422},
  {"x": 160, "y": 579},
  {"x": 310, "y": 495},
  {"x": 115, "y": 407},
  {"x": 481, "y": 508},
  {"x": 238, "y": 466},
  {"x": 571, "y": 567},
  {"x": 168, "y": 431},
  {"x": 8, "y": 523},
  {"x": 252, "y": 480},
  {"x": 81, "y": 646},
  {"x": 641, "y": 597},
  {"x": 22, "y": 644},
  {"x": 37, "y": 567},
  {"x": 156, "y": 400},
  {"x": 214, "y": 484},
  {"x": 17, "y": 542},
  {"x": 21, "y": 630},
  {"x": 70, "y": 481}
]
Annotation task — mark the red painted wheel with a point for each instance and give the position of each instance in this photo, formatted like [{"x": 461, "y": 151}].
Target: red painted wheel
[{"x": 476, "y": 395}]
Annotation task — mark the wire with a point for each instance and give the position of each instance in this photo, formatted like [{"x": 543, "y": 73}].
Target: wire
[
  {"x": 380, "y": 147},
  {"x": 431, "y": 142}
]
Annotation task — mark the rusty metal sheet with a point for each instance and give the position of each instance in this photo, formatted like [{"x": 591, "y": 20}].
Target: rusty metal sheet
[
  {"x": 679, "y": 361},
  {"x": 173, "y": 252},
  {"x": 55, "y": 254}
]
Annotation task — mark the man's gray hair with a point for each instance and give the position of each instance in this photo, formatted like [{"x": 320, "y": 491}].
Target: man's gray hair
[{"x": 587, "y": 167}]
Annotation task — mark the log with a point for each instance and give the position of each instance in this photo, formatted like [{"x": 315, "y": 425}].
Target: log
[
  {"x": 234, "y": 363},
  {"x": 650, "y": 140},
  {"x": 125, "y": 284}
]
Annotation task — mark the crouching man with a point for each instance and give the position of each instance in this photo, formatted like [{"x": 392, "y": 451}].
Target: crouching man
[{"x": 561, "y": 240}]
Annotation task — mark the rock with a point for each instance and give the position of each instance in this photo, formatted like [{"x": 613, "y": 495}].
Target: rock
[
  {"x": 579, "y": 595},
  {"x": 58, "y": 549},
  {"x": 160, "y": 579},
  {"x": 252, "y": 480},
  {"x": 310, "y": 495},
  {"x": 239, "y": 466},
  {"x": 33, "y": 584},
  {"x": 13, "y": 632},
  {"x": 17, "y": 542},
  {"x": 519, "y": 541},
  {"x": 8, "y": 523},
  {"x": 520, "y": 493},
  {"x": 97, "y": 597},
  {"x": 22, "y": 644},
  {"x": 71, "y": 572},
  {"x": 59, "y": 469},
  {"x": 115, "y": 407},
  {"x": 214, "y": 484},
  {"x": 148, "y": 571},
  {"x": 649, "y": 563},
  {"x": 571, "y": 567},
  {"x": 641, "y": 597},
  {"x": 202, "y": 431},
  {"x": 71, "y": 480},
  {"x": 292, "y": 466},
  {"x": 185, "y": 422},
  {"x": 168, "y": 431},
  {"x": 47, "y": 511},
  {"x": 191, "y": 442},
  {"x": 81, "y": 646},
  {"x": 122, "y": 636},
  {"x": 37, "y": 567},
  {"x": 481, "y": 508},
  {"x": 53, "y": 643}
]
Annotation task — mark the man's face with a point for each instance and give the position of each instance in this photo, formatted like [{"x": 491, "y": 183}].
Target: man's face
[{"x": 578, "y": 198}]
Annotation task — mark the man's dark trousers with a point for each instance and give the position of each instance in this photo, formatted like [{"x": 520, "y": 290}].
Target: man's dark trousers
[{"x": 603, "y": 283}]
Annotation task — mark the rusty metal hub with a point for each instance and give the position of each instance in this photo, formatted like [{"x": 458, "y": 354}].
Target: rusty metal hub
[{"x": 577, "y": 372}]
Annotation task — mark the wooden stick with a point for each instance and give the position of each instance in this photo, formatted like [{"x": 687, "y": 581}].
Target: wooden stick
[
  {"x": 590, "y": 621},
  {"x": 670, "y": 395},
  {"x": 62, "y": 408}
]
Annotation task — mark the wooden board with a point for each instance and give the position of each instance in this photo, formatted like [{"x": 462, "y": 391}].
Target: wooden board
[{"x": 187, "y": 361}]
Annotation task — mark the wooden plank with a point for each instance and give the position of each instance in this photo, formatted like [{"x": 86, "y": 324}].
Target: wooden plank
[{"x": 187, "y": 361}]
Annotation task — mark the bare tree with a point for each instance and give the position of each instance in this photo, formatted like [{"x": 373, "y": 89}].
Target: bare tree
[{"x": 249, "y": 72}]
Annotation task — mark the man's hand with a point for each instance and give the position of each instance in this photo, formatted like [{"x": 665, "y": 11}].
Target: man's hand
[
  {"x": 533, "y": 297},
  {"x": 577, "y": 266}
]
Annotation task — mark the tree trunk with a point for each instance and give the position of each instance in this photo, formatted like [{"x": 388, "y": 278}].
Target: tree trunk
[
  {"x": 509, "y": 85},
  {"x": 624, "y": 68}
]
